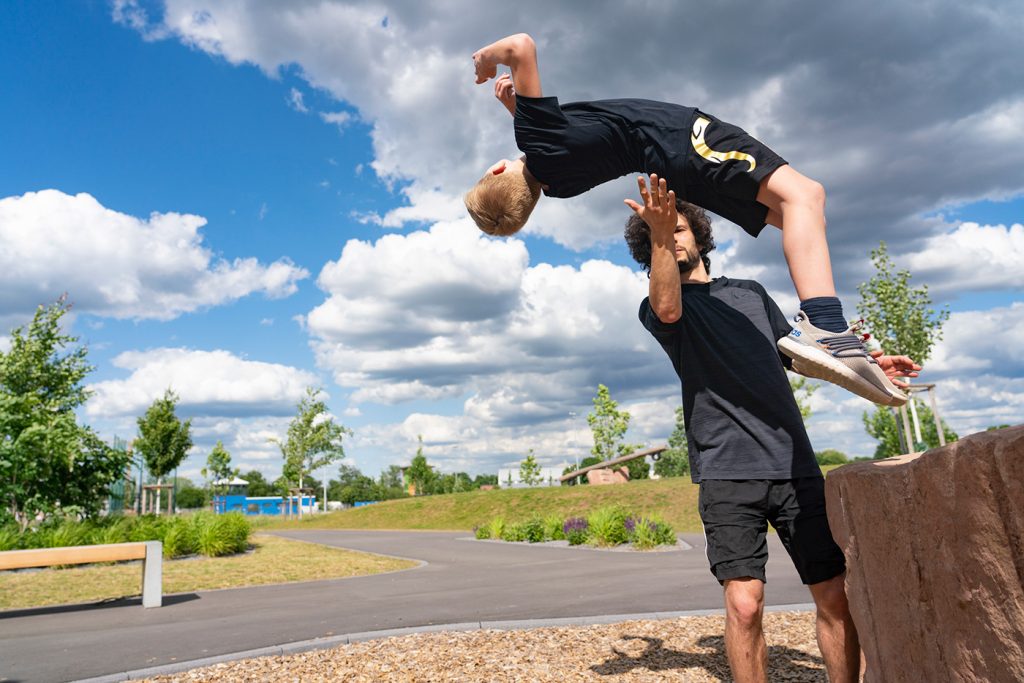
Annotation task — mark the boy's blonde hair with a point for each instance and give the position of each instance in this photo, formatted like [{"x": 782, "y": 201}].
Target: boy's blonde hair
[{"x": 501, "y": 204}]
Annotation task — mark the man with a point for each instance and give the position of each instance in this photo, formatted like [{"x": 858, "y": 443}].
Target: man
[
  {"x": 568, "y": 149},
  {"x": 748, "y": 447}
]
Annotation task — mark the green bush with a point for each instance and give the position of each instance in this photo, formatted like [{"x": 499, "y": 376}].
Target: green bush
[
  {"x": 514, "y": 533},
  {"x": 181, "y": 538},
  {"x": 117, "y": 531},
  {"x": 649, "y": 532},
  {"x": 607, "y": 525},
  {"x": 10, "y": 538},
  {"x": 533, "y": 530},
  {"x": 496, "y": 527},
  {"x": 576, "y": 530},
  {"x": 482, "y": 532},
  {"x": 222, "y": 534},
  {"x": 553, "y": 528}
]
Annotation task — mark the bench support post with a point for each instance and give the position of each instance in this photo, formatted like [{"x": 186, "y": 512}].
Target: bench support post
[{"x": 152, "y": 575}]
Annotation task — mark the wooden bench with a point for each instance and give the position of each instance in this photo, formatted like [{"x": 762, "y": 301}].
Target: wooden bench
[{"x": 150, "y": 552}]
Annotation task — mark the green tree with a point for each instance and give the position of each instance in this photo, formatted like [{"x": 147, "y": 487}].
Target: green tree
[
  {"x": 882, "y": 425},
  {"x": 392, "y": 477},
  {"x": 420, "y": 473},
  {"x": 47, "y": 460},
  {"x": 163, "y": 439},
  {"x": 609, "y": 425},
  {"x": 485, "y": 480},
  {"x": 802, "y": 389},
  {"x": 314, "y": 439},
  {"x": 529, "y": 470},
  {"x": 902, "y": 321},
  {"x": 675, "y": 461},
  {"x": 218, "y": 468},
  {"x": 831, "y": 456},
  {"x": 898, "y": 316},
  {"x": 257, "y": 484}
]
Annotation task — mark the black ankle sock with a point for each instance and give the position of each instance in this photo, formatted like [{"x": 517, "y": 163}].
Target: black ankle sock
[{"x": 825, "y": 312}]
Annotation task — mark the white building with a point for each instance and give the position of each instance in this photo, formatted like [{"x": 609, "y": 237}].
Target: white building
[{"x": 549, "y": 476}]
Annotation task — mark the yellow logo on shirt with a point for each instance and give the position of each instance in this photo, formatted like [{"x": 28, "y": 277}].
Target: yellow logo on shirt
[{"x": 701, "y": 147}]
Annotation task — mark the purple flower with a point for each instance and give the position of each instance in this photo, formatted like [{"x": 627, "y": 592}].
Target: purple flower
[
  {"x": 574, "y": 524},
  {"x": 630, "y": 525}
]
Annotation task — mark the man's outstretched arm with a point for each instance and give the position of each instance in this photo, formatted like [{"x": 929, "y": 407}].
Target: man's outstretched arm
[
  {"x": 519, "y": 53},
  {"x": 660, "y": 214}
]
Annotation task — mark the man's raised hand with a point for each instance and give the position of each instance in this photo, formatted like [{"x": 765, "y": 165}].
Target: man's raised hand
[
  {"x": 659, "y": 208},
  {"x": 505, "y": 91}
]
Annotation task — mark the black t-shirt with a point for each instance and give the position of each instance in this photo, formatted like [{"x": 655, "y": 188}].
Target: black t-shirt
[
  {"x": 577, "y": 146},
  {"x": 742, "y": 421}
]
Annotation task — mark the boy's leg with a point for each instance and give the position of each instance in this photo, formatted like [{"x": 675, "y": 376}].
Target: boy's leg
[
  {"x": 744, "y": 635},
  {"x": 837, "y": 635},
  {"x": 796, "y": 204}
]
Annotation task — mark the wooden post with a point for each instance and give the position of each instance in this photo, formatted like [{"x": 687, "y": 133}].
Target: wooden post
[{"x": 935, "y": 414}]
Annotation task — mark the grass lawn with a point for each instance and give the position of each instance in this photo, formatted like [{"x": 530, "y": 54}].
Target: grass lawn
[
  {"x": 673, "y": 499},
  {"x": 274, "y": 560}
]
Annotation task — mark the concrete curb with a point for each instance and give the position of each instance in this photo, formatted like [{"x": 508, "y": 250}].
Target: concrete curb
[{"x": 333, "y": 641}]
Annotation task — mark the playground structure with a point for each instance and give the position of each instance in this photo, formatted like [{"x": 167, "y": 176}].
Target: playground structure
[
  {"x": 151, "y": 498},
  {"x": 606, "y": 473},
  {"x": 907, "y": 414}
]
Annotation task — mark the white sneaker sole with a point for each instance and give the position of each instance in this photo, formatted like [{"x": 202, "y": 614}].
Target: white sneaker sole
[{"x": 816, "y": 363}]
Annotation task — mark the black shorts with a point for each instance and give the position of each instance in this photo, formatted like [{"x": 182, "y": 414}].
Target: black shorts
[
  {"x": 736, "y": 513},
  {"x": 724, "y": 170}
]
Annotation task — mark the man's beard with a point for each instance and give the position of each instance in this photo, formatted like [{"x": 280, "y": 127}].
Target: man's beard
[{"x": 690, "y": 262}]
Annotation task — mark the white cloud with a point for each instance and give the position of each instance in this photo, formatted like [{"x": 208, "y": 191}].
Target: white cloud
[
  {"x": 117, "y": 265},
  {"x": 208, "y": 383},
  {"x": 971, "y": 257},
  {"x": 296, "y": 102},
  {"x": 338, "y": 118}
]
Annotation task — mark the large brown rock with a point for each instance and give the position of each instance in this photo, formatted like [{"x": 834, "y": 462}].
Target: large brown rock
[{"x": 935, "y": 550}]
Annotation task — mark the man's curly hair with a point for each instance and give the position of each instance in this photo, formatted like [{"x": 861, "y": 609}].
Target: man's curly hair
[{"x": 638, "y": 235}]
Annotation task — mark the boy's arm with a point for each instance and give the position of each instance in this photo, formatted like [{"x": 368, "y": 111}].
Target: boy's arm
[
  {"x": 659, "y": 212},
  {"x": 519, "y": 53}
]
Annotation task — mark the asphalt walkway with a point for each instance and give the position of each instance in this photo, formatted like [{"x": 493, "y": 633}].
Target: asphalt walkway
[{"x": 460, "y": 582}]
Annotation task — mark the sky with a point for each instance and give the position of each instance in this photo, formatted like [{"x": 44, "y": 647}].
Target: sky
[{"x": 246, "y": 198}]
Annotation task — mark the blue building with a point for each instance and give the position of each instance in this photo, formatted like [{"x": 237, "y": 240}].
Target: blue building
[{"x": 236, "y": 500}]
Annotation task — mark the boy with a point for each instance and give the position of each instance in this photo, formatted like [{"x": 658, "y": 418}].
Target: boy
[
  {"x": 571, "y": 148},
  {"x": 748, "y": 447}
]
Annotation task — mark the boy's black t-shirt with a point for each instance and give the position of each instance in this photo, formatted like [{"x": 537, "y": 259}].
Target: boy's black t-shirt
[
  {"x": 574, "y": 147},
  {"x": 742, "y": 421}
]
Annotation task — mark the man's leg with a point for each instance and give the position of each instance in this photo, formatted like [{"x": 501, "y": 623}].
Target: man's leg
[
  {"x": 837, "y": 636},
  {"x": 744, "y": 636},
  {"x": 796, "y": 204}
]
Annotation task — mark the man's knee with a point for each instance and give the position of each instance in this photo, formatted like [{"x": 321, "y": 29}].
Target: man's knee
[
  {"x": 744, "y": 602},
  {"x": 830, "y": 598}
]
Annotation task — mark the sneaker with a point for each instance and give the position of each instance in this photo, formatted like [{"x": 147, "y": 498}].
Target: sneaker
[{"x": 839, "y": 358}]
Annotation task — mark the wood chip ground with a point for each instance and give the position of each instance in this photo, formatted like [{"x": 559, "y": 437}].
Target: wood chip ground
[{"x": 683, "y": 649}]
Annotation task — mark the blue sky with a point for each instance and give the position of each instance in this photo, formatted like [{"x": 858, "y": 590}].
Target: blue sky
[{"x": 202, "y": 167}]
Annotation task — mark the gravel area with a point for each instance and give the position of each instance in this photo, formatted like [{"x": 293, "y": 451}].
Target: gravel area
[{"x": 683, "y": 649}]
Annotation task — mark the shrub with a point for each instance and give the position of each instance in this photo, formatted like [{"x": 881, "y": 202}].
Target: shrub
[
  {"x": 117, "y": 531},
  {"x": 533, "y": 530},
  {"x": 10, "y": 538},
  {"x": 482, "y": 532},
  {"x": 608, "y": 525},
  {"x": 181, "y": 538},
  {"x": 496, "y": 527},
  {"x": 514, "y": 533},
  {"x": 576, "y": 530},
  {"x": 221, "y": 534},
  {"x": 553, "y": 528}
]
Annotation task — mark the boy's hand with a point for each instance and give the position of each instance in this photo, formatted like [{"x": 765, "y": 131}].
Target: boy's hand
[
  {"x": 896, "y": 366},
  {"x": 485, "y": 64},
  {"x": 659, "y": 209}
]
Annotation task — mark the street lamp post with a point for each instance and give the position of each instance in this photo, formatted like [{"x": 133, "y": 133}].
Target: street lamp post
[{"x": 575, "y": 450}]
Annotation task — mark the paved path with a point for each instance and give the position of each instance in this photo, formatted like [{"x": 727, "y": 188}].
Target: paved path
[{"x": 462, "y": 581}]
